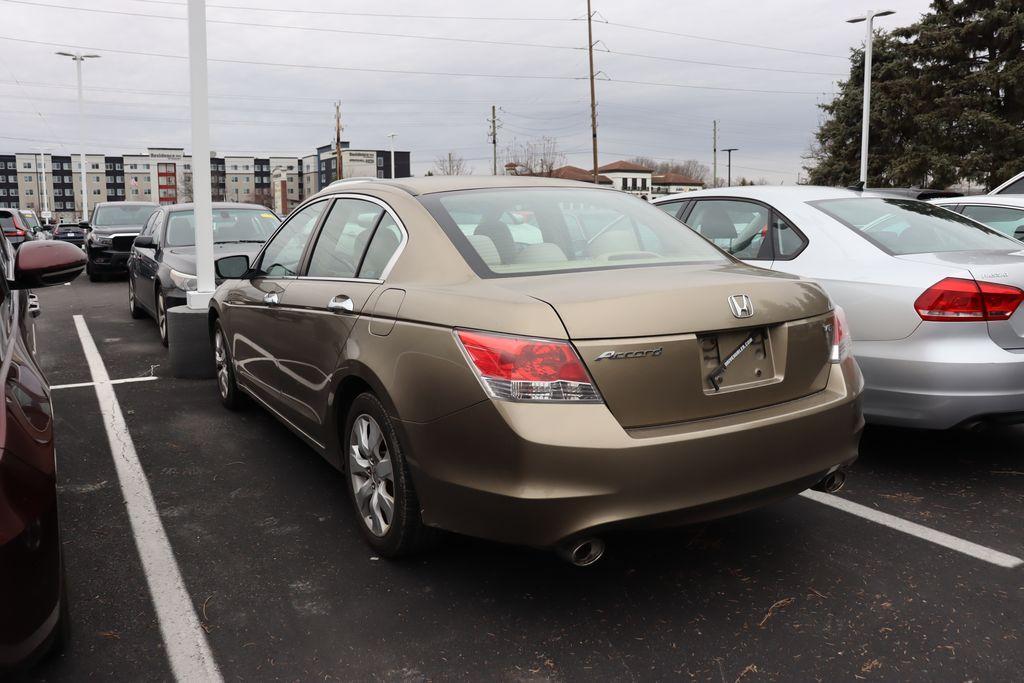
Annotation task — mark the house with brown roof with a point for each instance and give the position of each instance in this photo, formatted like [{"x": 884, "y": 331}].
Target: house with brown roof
[
  {"x": 580, "y": 174},
  {"x": 629, "y": 177},
  {"x": 671, "y": 183}
]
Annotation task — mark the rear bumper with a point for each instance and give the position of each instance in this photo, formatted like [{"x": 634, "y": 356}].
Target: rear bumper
[
  {"x": 541, "y": 474},
  {"x": 944, "y": 375}
]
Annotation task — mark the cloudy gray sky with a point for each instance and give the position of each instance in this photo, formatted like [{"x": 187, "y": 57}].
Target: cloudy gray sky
[{"x": 274, "y": 75}]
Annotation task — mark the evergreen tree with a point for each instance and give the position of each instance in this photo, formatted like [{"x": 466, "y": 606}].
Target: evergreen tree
[{"x": 947, "y": 102}]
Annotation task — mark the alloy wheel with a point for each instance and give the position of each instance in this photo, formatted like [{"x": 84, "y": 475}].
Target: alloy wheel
[
  {"x": 131, "y": 294},
  {"x": 161, "y": 315},
  {"x": 221, "y": 358},
  {"x": 372, "y": 475}
]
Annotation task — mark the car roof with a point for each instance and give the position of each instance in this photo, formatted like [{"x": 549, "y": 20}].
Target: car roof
[
  {"x": 432, "y": 184},
  {"x": 791, "y": 193},
  {"x": 125, "y": 204},
  {"x": 189, "y": 206},
  {"x": 1016, "y": 200}
]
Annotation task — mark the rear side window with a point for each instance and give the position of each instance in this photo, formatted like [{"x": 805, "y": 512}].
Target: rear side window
[
  {"x": 907, "y": 226},
  {"x": 343, "y": 239},
  {"x": 671, "y": 208},
  {"x": 1005, "y": 219},
  {"x": 383, "y": 245},
  {"x": 788, "y": 240},
  {"x": 1016, "y": 187},
  {"x": 738, "y": 227},
  {"x": 283, "y": 253},
  {"x": 7, "y": 220}
]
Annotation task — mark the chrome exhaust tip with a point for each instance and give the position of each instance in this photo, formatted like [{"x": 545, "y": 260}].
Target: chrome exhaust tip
[
  {"x": 584, "y": 552},
  {"x": 832, "y": 482}
]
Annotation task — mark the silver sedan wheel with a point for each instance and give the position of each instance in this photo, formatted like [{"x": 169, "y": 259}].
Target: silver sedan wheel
[
  {"x": 131, "y": 294},
  {"x": 221, "y": 358},
  {"x": 372, "y": 475}
]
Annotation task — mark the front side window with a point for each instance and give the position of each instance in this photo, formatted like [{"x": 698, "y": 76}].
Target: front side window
[
  {"x": 1005, "y": 219},
  {"x": 907, "y": 226},
  {"x": 344, "y": 237},
  {"x": 283, "y": 253},
  {"x": 738, "y": 227},
  {"x": 229, "y": 226},
  {"x": 546, "y": 230},
  {"x": 122, "y": 215}
]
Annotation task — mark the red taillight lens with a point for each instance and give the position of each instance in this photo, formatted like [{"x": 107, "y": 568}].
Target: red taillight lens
[
  {"x": 957, "y": 299},
  {"x": 14, "y": 232},
  {"x": 841, "y": 342},
  {"x": 525, "y": 369}
]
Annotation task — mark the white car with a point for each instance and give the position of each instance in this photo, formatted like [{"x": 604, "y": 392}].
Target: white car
[
  {"x": 1014, "y": 185},
  {"x": 932, "y": 297},
  {"x": 1004, "y": 212}
]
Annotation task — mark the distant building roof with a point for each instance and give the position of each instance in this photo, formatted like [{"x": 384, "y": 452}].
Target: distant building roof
[
  {"x": 577, "y": 173},
  {"x": 675, "y": 179},
  {"x": 623, "y": 166}
]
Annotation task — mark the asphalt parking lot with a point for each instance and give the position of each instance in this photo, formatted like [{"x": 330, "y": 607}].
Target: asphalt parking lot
[{"x": 284, "y": 587}]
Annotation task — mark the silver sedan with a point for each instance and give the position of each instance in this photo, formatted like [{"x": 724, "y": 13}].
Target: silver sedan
[
  {"x": 1002, "y": 212},
  {"x": 932, "y": 298}
]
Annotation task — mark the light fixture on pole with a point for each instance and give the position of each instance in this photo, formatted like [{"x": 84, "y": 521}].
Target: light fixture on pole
[
  {"x": 202, "y": 199},
  {"x": 869, "y": 18},
  {"x": 78, "y": 59},
  {"x": 392, "y": 137},
  {"x": 728, "y": 162}
]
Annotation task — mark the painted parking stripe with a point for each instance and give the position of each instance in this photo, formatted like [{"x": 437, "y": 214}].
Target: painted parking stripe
[
  {"x": 79, "y": 385},
  {"x": 184, "y": 639},
  {"x": 945, "y": 540}
]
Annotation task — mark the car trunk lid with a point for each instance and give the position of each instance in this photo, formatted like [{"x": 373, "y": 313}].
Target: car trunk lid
[{"x": 651, "y": 337}]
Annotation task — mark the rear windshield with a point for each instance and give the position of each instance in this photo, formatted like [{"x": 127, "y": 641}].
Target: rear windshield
[
  {"x": 229, "y": 225},
  {"x": 512, "y": 231},
  {"x": 122, "y": 215},
  {"x": 907, "y": 226},
  {"x": 30, "y": 220}
]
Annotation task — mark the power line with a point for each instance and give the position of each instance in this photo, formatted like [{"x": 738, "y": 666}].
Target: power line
[
  {"x": 727, "y": 42},
  {"x": 719, "y": 64},
  {"x": 411, "y": 72},
  {"x": 361, "y": 14},
  {"x": 320, "y": 29}
]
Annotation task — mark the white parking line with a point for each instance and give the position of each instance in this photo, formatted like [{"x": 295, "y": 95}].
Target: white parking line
[
  {"x": 79, "y": 385},
  {"x": 184, "y": 638},
  {"x": 974, "y": 550}
]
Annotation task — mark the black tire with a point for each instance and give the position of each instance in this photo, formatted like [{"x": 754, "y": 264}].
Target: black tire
[
  {"x": 231, "y": 396},
  {"x": 161, "y": 315},
  {"x": 405, "y": 533},
  {"x": 93, "y": 275},
  {"x": 133, "y": 305}
]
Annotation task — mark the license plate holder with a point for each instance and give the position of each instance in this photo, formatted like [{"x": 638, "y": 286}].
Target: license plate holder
[{"x": 736, "y": 360}]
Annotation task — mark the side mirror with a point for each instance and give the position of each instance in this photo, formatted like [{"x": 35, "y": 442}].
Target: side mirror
[
  {"x": 84, "y": 225},
  {"x": 231, "y": 267},
  {"x": 145, "y": 242},
  {"x": 43, "y": 263}
]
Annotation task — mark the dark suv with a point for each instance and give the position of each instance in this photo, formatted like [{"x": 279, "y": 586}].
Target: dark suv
[{"x": 112, "y": 230}]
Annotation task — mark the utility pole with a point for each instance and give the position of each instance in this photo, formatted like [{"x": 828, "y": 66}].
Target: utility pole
[
  {"x": 451, "y": 168},
  {"x": 869, "y": 19},
  {"x": 714, "y": 154},
  {"x": 78, "y": 59},
  {"x": 729, "y": 151},
  {"x": 593, "y": 94},
  {"x": 494, "y": 140},
  {"x": 337, "y": 137},
  {"x": 46, "y": 194},
  {"x": 202, "y": 189},
  {"x": 391, "y": 136}
]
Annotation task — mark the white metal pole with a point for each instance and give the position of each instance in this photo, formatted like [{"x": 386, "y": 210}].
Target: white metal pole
[
  {"x": 201, "y": 192},
  {"x": 866, "y": 116},
  {"x": 81, "y": 140},
  {"x": 46, "y": 194},
  {"x": 392, "y": 136}
]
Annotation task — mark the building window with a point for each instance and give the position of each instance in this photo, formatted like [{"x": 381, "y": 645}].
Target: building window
[
  {"x": 120, "y": 192},
  {"x": 30, "y": 191},
  {"x": 27, "y": 164},
  {"x": 118, "y": 167},
  {"x": 96, "y": 191},
  {"x": 28, "y": 179},
  {"x": 145, "y": 167},
  {"x": 135, "y": 191},
  {"x": 110, "y": 167},
  {"x": 132, "y": 167},
  {"x": 95, "y": 166},
  {"x": 148, "y": 191},
  {"x": 380, "y": 162}
]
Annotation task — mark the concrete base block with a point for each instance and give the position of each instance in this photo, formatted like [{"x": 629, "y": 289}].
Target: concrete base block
[{"x": 188, "y": 336}]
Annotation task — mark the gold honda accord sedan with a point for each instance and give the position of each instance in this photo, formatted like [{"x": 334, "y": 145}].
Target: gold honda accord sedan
[{"x": 533, "y": 361}]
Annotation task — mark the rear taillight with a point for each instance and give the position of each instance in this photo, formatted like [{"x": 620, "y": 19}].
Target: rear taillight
[
  {"x": 527, "y": 369},
  {"x": 959, "y": 300},
  {"x": 841, "y": 342},
  {"x": 14, "y": 232}
]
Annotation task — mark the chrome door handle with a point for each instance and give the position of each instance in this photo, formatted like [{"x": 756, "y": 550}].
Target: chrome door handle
[
  {"x": 340, "y": 304},
  {"x": 270, "y": 298}
]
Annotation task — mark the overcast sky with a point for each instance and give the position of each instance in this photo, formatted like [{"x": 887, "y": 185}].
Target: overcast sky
[{"x": 538, "y": 81}]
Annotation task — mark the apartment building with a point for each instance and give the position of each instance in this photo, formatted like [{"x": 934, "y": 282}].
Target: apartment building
[{"x": 46, "y": 182}]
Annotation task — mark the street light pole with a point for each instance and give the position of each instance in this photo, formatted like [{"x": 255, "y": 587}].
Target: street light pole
[
  {"x": 869, "y": 19},
  {"x": 392, "y": 136},
  {"x": 201, "y": 187},
  {"x": 78, "y": 59},
  {"x": 728, "y": 162}
]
